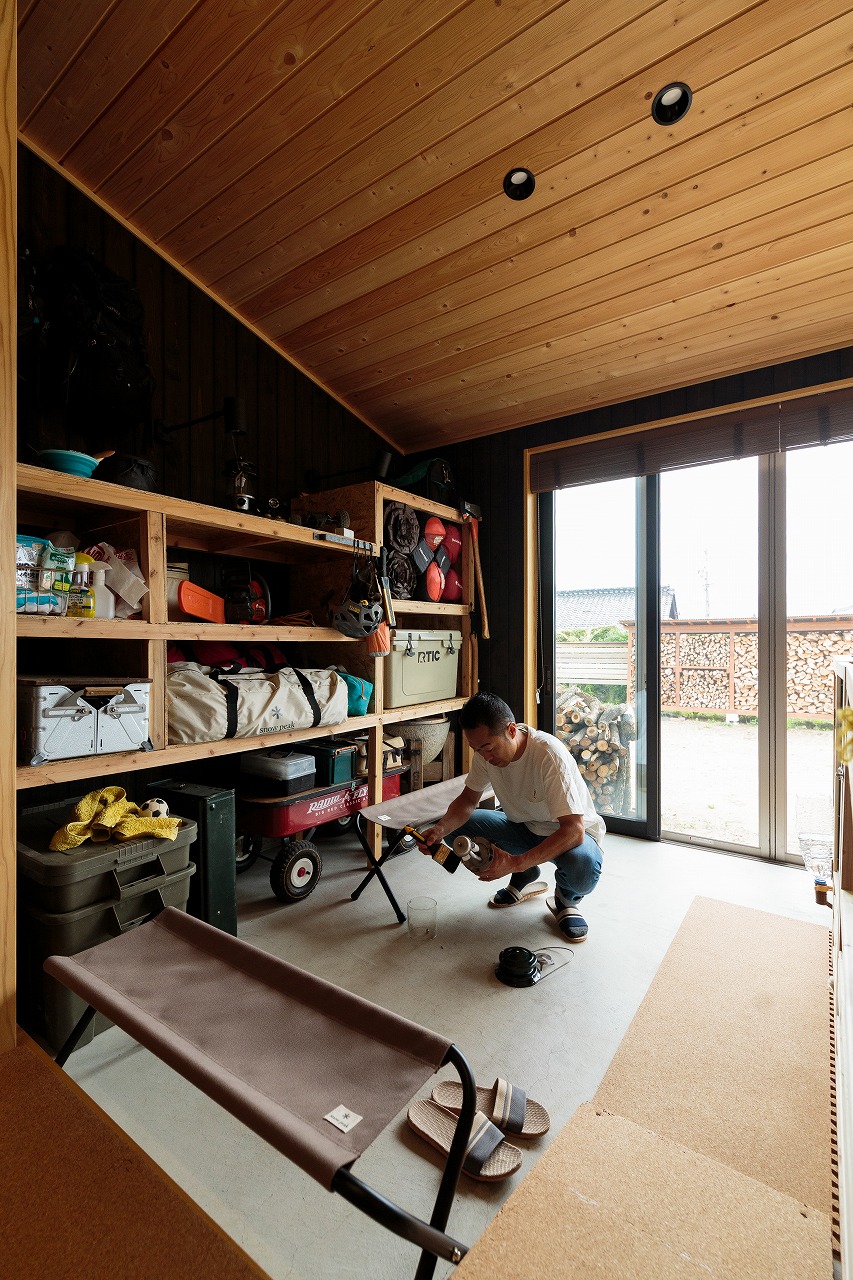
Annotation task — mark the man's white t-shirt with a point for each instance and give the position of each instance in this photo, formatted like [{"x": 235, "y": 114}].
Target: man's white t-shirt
[{"x": 544, "y": 784}]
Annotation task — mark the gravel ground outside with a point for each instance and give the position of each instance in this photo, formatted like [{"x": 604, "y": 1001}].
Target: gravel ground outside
[{"x": 709, "y": 775}]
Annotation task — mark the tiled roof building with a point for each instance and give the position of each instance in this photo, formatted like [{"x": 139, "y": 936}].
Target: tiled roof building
[{"x": 604, "y": 607}]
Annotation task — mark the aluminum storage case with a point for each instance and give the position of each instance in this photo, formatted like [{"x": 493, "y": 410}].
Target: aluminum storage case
[
  {"x": 421, "y": 667},
  {"x": 291, "y": 770},
  {"x": 81, "y": 716}
]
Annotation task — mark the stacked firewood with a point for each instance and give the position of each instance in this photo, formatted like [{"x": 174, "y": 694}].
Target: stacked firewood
[{"x": 597, "y": 734}]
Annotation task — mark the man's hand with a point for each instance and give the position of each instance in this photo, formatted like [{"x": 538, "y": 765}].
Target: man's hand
[
  {"x": 501, "y": 865},
  {"x": 432, "y": 835}
]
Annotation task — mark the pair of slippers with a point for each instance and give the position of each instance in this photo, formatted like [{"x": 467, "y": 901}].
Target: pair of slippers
[
  {"x": 502, "y": 1109},
  {"x": 570, "y": 919}
]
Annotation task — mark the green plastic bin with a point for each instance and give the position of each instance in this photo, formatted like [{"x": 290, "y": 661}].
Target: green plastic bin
[
  {"x": 62, "y": 882},
  {"x": 45, "y": 1006}
]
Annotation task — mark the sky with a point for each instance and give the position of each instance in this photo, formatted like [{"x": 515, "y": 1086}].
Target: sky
[{"x": 709, "y": 536}]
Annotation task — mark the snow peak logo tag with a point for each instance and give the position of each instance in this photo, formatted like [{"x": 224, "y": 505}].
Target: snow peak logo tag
[{"x": 429, "y": 655}]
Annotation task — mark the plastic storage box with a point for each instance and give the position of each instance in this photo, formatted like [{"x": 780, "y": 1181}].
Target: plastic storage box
[
  {"x": 421, "y": 667},
  {"x": 70, "y": 716},
  {"x": 61, "y": 882},
  {"x": 47, "y": 1007},
  {"x": 290, "y": 770},
  {"x": 334, "y": 760}
]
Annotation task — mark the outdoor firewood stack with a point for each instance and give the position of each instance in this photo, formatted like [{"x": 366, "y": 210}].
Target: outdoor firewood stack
[{"x": 597, "y": 734}]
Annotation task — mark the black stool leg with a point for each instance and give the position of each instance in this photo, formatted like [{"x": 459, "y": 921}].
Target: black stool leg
[
  {"x": 71, "y": 1043},
  {"x": 375, "y": 870}
]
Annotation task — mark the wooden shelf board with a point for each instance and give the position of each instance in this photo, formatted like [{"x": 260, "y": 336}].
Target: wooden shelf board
[
  {"x": 427, "y": 606},
  {"x": 190, "y": 524},
  {"x": 31, "y": 624},
  {"x": 131, "y": 761},
  {"x": 391, "y": 715}
]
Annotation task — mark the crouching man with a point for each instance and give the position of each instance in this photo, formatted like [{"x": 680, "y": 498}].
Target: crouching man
[{"x": 547, "y": 813}]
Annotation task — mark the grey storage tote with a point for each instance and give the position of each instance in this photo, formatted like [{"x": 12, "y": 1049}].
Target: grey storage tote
[
  {"x": 93, "y": 872},
  {"x": 49, "y": 1009}
]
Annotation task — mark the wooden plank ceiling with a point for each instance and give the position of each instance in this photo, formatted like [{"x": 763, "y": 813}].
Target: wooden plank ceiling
[{"x": 334, "y": 174}]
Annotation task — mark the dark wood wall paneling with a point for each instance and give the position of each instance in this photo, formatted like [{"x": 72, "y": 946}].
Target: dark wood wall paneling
[
  {"x": 199, "y": 354},
  {"x": 494, "y": 469}
]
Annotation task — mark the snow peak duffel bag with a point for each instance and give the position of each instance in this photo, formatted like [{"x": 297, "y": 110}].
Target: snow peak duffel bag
[{"x": 206, "y": 704}]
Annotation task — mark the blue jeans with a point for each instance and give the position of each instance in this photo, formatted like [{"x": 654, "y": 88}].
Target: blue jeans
[{"x": 577, "y": 870}]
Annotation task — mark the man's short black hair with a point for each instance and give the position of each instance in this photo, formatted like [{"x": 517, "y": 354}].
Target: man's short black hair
[{"x": 487, "y": 710}]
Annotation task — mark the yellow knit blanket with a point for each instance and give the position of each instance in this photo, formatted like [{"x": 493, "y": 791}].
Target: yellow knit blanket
[{"x": 105, "y": 814}]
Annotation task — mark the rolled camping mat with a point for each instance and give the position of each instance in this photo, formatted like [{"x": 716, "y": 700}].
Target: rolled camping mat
[
  {"x": 402, "y": 528},
  {"x": 402, "y": 577}
]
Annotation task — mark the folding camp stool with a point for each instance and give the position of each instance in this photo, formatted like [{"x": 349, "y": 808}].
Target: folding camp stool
[
  {"x": 313, "y": 1069},
  {"x": 416, "y": 809}
]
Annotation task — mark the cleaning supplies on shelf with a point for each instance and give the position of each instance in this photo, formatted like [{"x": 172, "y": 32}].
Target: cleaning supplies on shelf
[
  {"x": 42, "y": 575},
  {"x": 81, "y": 596}
]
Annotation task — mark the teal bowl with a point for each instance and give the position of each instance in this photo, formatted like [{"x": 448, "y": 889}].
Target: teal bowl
[{"x": 69, "y": 461}]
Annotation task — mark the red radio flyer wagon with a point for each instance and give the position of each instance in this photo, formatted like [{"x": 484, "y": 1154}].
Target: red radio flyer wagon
[{"x": 297, "y": 866}]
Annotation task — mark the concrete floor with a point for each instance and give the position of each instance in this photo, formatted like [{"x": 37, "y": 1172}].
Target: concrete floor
[{"x": 556, "y": 1039}]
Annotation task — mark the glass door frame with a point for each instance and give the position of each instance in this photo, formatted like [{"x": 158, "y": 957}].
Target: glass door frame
[
  {"x": 647, "y": 655},
  {"x": 772, "y": 659}
]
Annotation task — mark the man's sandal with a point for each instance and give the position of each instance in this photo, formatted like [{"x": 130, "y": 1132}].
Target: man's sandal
[
  {"x": 570, "y": 920},
  {"x": 507, "y": 1106},
  {"x": 488, "y": 1156},
  {"x": 521, "y": 886}
]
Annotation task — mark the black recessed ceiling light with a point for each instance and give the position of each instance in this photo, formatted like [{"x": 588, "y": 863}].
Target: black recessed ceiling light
[
  {"x": 519, "y": 184},
  {"x": 671, "y": 103}
]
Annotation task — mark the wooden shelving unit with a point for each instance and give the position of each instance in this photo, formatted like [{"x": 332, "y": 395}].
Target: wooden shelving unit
[{"x": 157, "y": 526}]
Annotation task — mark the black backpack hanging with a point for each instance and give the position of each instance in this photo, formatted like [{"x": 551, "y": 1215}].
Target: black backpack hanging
[{"x": 95, "y": 355}]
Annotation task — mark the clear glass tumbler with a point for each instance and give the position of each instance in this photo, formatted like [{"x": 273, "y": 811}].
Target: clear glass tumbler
[{"x": 422, "y": 915}]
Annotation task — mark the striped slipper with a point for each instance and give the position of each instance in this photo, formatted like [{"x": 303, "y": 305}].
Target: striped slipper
[
  {"x": 507, "y": 1106},
  {"x": 522, "y": 885},
  {"x": 488, "y": 1156},
  {"x": 570, "y": 919}
]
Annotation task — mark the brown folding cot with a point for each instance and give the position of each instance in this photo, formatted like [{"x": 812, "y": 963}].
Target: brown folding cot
[{"x": 313, "y": 1069}]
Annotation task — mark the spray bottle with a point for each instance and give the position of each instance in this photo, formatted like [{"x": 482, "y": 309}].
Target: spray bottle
[{"x": 441, "y": 852}]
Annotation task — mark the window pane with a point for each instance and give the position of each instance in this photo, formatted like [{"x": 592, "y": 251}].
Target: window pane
[
  {"x": 596, "y": 592},
  {"x": 709, "y": 652},
  {"x": 820, "y": 628}
]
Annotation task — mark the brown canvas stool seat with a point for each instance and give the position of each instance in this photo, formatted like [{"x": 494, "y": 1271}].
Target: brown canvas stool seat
[{"x": 279, "y": 1048}]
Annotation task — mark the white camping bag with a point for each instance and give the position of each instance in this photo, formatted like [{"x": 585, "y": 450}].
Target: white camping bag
[{"x": 206, "y": 704}]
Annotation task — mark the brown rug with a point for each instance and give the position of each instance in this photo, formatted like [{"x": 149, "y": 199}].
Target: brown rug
[
  {"x": 729, "y": 1051},
  {"x": 609, "y": 1199},
  {"x": 80, "y": 1199},
  {"x": 706, "y": 1151}
]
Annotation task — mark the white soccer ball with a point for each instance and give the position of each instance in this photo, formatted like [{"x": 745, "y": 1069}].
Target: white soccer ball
[{"x": 154, "y": 808}]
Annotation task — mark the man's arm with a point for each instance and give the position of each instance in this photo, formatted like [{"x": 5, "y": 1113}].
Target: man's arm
[
  {"x": 460, "y": 811},
  {"x": 568, "y": 836}
]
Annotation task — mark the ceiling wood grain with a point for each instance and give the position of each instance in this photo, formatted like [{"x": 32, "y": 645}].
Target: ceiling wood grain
[{"x": 333, "y": 174}]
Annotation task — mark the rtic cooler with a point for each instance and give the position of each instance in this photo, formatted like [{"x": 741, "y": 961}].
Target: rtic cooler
[
  {"x": 81, "y": 716},
  {"x": 290, "y": 770},
  {"x": 421, "y": 666}
]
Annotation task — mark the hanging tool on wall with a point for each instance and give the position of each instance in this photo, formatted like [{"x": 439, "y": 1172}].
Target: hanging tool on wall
[
  {"x": 474, "y": 523},
  {"x": 385, "y": 588}
]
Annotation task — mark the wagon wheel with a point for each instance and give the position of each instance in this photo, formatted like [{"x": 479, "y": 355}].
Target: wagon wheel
[
  {"x": 247, "y": 851},
  {"x": 338, "y": 826},
  {"x": 295, "y": 870}
]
